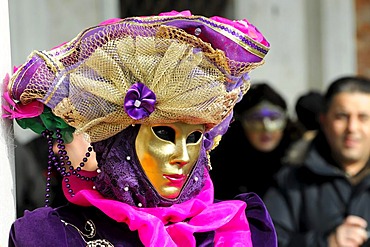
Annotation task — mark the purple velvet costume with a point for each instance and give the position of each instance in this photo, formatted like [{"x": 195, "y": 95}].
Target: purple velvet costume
[{"x": 48, "y": 230}]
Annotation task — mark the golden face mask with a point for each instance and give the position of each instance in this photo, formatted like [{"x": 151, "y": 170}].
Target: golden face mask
[
  {"x": 264, "y": 117},
  {"x": 168, "y": 153}
]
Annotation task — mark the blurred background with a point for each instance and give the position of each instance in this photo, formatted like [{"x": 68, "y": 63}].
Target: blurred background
[{"x": 312, "y": 41}]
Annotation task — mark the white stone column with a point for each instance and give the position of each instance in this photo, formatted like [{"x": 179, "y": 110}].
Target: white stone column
[{"x": 7, "y": 170}]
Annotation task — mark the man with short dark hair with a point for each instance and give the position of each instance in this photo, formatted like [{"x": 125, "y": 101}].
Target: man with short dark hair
[{"x": 324, "y": 198}]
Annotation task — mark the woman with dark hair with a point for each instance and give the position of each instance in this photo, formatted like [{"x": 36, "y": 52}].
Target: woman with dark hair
[{"x": 256, "y": 142}]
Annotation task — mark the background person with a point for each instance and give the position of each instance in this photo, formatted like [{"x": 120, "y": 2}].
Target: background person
[
  {"x": 255, "y": 142},
  {"x": 323, "y": 199},
  {"x": 308, "y": 108}
]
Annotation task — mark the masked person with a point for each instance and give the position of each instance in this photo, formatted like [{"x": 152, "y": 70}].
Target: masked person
[
  {"x": 153, "y": 95},
  {"x": 256, "y": 143}
]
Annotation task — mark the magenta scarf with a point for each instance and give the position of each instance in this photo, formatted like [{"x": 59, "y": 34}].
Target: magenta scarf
[{"x": 173, "y": 225}]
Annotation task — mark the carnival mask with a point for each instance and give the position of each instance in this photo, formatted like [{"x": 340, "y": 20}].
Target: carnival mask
[
  {"x": 264, "y": 117},
  {"x": 167, "y": 154}
]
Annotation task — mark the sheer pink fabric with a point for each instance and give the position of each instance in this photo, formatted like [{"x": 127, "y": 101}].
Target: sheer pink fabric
[{"x": 174, "y": 225}]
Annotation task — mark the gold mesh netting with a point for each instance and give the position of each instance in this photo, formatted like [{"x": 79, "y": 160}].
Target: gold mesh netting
[
  {"x": 38, "y": 84},
  {"x": 186, "y": 74}
]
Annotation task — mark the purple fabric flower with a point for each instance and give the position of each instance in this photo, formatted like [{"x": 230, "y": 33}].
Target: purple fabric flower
[{"x": 139, "y": 101}]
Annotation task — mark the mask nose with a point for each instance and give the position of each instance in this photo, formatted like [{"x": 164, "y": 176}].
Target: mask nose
[{"x": 181, "y": 155}]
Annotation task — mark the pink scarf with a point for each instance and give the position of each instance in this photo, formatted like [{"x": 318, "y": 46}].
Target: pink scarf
[{"x": 199, "y": 214}]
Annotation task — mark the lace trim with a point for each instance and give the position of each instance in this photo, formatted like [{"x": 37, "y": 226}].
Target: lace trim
[{"x": 90, "y": 233}]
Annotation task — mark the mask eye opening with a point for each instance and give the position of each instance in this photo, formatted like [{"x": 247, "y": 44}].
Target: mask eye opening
[
  {"x": 194, "y": 137},
  {"x": 165, "y": 133}
]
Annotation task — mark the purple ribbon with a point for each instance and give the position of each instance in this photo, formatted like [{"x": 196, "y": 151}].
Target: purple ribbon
[
  {"x": 219, "y": 129},
  {"x": 139, "y": 101}
]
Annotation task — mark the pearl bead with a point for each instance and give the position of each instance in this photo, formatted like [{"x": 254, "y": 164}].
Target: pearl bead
[
  {"x": 125, "y": 189},
  {"x": 139, "y": 204},
  {"x": 197, "y": 31},
  {"x": 98, "y": 170},
  {"x": 128, "y": 158},
  {"x": 196, "y": 179},
  {"x": 137, "y": 103}
]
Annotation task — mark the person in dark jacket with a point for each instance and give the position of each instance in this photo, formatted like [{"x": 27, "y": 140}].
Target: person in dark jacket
[
  {"x": 257, "y": 139},
  {"x": 323, "y": 199},
  {"x": 307, "y": 108}
]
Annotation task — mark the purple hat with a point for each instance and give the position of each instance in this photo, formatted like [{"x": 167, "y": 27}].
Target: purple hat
[{"x": 141, "y": 70}]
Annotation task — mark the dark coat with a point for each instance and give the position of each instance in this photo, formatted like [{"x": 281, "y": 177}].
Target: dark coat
[{"x": 312, "y": 197}]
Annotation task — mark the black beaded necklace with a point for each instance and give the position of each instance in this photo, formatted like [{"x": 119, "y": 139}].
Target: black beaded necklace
[{"x": 62, "y": 163}]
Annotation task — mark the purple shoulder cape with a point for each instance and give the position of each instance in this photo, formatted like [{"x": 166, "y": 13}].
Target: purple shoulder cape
[{"x": 44, "y": 227}]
